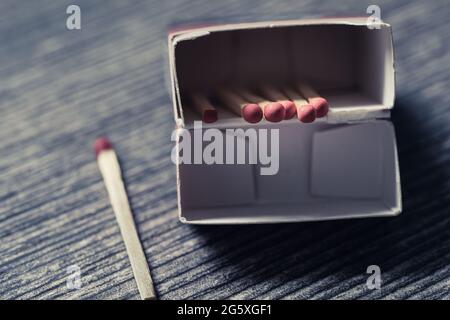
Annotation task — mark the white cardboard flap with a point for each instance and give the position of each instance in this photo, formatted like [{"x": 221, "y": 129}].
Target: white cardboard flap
[{"x": 326, "y": 171}]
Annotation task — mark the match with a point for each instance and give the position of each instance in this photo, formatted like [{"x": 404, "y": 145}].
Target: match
[
  {"x": 275, "y": 95},
  {"x": 204, "y": 108},
  {"x": 251, "y": 112},
  {"x": 305, "y": 111},
  {"x": 319, "y": 103},
  {"x": 273, "y": 111},
  {"x": 112, "y": 176}
]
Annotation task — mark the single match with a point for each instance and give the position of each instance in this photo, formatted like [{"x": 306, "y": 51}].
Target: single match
[
  {"x": 202, "y": 105},
  {"x": 112, "y": 176},
  {"x": 275, "y": 95},
  {"x": 251, "y": 112},
  {"x": 319, "y": 103},
  {"x": 305, "y": 111}
]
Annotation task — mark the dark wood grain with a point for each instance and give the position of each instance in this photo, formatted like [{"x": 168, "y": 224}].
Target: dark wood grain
[{"x": 61, "y": 89}]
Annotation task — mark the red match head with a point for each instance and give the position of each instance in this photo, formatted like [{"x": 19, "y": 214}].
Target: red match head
[
  {"x": 209, "y": 116},
  {"x": 274, "y": 112},
  {"x": 321, "y": 106},
  {"x": 289, "y": 108},
  {"x": 306, "y": 113},
  {"x": 252, "y": 113},
  {"x": 101, "y": 144}
]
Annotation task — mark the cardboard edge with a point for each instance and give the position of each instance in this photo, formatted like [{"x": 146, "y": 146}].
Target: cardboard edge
[
  {"x": 177, "y": 168},
  {"x": 198, "y": 31},
  {"x": 174, "y": 83},
  {"x": 399, "y": 205},
  {"x": 271, "y": 220},
  {"x": 397, "y": 209},
  {"x": 393, "y": 72}
]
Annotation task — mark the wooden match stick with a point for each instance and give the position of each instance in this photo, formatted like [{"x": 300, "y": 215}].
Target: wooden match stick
[
  {"x": 251, "y": 112},
  {"x": 204, "y": 108},
  {"x": 274, "y": 94},
  {"x": 273, "y": 111},
  {"x": 305, "y": 111},
  {"x": 319, "y": 103},
  {"x": 112, "y": 176}
]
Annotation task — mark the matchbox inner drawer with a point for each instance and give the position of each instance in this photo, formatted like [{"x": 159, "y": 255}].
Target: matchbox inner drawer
[
  {"x": 342, "y": 166},
  {"x": 349, "y": 64}
]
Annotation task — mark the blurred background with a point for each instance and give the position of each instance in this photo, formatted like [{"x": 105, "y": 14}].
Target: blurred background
[{"x": 60, "y": 89}]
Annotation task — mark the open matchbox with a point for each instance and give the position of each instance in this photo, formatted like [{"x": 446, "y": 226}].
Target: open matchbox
[{"x": 342, "y": 166}]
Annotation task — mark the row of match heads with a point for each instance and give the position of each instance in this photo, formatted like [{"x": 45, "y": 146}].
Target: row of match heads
[{"x": 268, "y": 103}]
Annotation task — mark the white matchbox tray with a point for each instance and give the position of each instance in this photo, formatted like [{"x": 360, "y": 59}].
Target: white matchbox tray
[{"x": 342, "y": 166}]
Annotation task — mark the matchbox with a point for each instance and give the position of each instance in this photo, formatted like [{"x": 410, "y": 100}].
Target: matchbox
[{"x": 343, "y": 165}]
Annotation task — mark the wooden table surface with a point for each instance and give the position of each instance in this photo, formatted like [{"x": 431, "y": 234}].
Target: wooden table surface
[{"x": 61, "y": 89}]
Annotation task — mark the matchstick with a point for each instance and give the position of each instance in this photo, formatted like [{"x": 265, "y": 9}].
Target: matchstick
[
  {"x": 305, "y": 111},
  {"x": 251, "y": 112},
  {"x": 273, "y": 111},
  {"x": 112, "y": 176},
  {"x": 275, "y": 95},
  {"x": 204, "y": 108},
  {"x": 319, "y": 103}
]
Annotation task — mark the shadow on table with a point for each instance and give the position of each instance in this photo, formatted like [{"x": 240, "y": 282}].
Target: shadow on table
[{"x": 264, "y": 257}]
